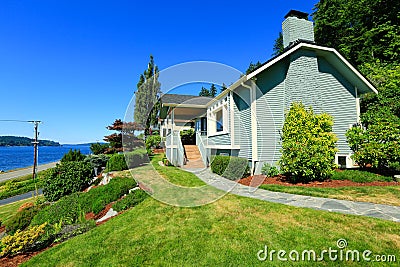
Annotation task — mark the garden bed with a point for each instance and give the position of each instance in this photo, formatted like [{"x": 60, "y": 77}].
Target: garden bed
[{"x": 281, "y": 180}]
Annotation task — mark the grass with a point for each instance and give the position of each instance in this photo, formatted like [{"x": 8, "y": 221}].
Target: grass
[
  {"x": 8, "y": 210},
  {"x": 175, "y": 175},
  {"x": 360, "y": 176},
  {"x": 228, "y": 232},
  {"x": 376, "y": 194}
]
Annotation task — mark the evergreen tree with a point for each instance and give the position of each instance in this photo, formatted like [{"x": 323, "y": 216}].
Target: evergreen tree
[
  {"x": 147, "y": 96},
  {"x": 223, "y": 87},
  {"x": 213, "y": 90},
  {"x": 204, "y": 92},
  {"x": 278, "y": 45},
  {"x": 253, "y": 66}
]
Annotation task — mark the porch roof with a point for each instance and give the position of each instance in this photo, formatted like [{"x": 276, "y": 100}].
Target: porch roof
[{"x": 187, "y": 107}]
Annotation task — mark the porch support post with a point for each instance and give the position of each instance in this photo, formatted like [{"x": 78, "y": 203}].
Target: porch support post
[
  {"x": 254, "y": 139},
  {"x": 357, "y": 105}
]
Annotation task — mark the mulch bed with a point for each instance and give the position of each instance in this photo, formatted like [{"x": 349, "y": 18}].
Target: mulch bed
[
  {"x": 257, "y": 180},
  {"x": 18, "y": 259}
]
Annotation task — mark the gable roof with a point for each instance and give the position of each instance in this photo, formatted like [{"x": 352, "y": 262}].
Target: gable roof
[
  {"x": 334, "y": 58},
  {"x": 175, "y": 99},
  {"x": 332, "y": 55}
]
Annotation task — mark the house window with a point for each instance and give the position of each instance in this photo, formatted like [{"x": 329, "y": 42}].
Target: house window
[{"x": 219, "y": 118}]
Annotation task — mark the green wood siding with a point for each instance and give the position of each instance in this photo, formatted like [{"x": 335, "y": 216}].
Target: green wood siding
[
  {"x": 242, "y": 121},
  {"x": 270, "y": 113},
  {"x": 222, "y": 139}
]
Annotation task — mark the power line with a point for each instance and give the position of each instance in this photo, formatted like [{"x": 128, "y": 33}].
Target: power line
[{"x": 15, "y": 121}]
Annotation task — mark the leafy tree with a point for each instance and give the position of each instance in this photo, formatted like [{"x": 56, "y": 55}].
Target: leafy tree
[
  {"x": 98, "y": 148},
  {"x": 377, "y": 144},
  {"x": 147, "y": 94},
  {"x": 253, "y": 67},
  {"x": 278, "y": 45},
  {"x": 124, "y": 138},
  {"x": 362, "y": 30},
  {"x": 308, "y": 145}
]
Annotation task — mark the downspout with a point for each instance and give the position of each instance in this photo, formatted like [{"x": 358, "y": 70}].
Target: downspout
[{"x": 254, "y": 147}]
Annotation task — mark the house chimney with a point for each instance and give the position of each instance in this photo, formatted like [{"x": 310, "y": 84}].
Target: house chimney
[{"x": 296, "y": 26}]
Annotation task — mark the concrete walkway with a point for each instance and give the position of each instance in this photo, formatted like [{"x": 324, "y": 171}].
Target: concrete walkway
[
  {"x": 22, "y": 172},
  {"x": 386, "y": 212}
]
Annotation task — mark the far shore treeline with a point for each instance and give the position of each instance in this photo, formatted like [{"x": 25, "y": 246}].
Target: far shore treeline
[{"x": 24, "y": 141}]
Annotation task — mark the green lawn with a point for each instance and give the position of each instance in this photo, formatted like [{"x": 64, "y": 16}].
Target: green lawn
[
  {"x": 175, "y": 175},
  {"x": 228, "y": 232},
  {"x": 376, "y": 194}
]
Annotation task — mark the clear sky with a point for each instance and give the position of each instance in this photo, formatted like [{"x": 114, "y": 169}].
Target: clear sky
[{"x": 74, "y": 64}]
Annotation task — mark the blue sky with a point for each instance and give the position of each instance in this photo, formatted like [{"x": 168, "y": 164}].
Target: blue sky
[{"x": 74, "y": 64}]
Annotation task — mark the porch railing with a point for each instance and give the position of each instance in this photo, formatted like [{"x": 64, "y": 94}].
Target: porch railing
[
  {"x": 202, "y": 147},
  {"x": 175, "y": 151}
]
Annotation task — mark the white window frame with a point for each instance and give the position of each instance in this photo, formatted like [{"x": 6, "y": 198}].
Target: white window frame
[{"x": 212, "y": 119}]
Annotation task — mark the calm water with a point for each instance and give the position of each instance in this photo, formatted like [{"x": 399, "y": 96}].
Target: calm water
[{"x": 22, "y": 156}]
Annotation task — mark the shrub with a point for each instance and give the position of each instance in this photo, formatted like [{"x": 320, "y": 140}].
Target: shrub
[
  {"x": 229, "y": 167},
  {"x": 153, "y": 141},
  {"x": 188, "y": 137},
  {"x": 97, "y": 161},
  {"x": 66, "y": 178},
  {"x": 22, "y": 240},
  {"x": 67, "y": 210},
  {"x": 22, "y": 219},
  {"x": 116, "y": 163},
  {"x": 130, "y": 200},
  {"x": 120, "y": 162},
  {"x": 73, "y": 155},
  {"x": 269, "y": 170},
  {"x": 308, "y": 145},
  {"x": 69, "y": 231},
  {"x": 136, "y": 158},
  {"x": 378, "y": 145}
]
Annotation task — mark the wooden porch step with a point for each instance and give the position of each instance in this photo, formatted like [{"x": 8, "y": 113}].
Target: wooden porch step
[{"x": 194, "y": 157}]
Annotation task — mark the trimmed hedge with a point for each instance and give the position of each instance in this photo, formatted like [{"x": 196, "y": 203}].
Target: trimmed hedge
[
  {"x": 229, "y": 167},
  {"x": 120, "y": 162}
]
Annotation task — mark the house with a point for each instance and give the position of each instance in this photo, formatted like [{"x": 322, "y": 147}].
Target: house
[{"x": 246, "y": 119}]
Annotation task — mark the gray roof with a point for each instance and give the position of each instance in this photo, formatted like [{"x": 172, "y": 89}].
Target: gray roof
[{"x": 175, "y": 99}]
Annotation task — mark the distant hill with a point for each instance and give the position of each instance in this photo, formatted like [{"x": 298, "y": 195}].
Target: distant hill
[{"x": 24, "y": 141}]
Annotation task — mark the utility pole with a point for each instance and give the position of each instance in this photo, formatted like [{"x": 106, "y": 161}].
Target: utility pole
[{"x": 35, "y": 149}]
